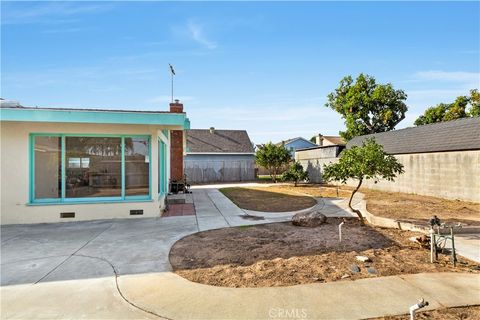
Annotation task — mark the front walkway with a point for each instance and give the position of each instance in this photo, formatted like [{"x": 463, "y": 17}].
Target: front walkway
[{"x": 120, "y": 269}]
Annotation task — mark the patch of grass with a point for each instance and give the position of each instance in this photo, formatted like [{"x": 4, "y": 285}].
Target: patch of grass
[{"x": 267, "y": 199}]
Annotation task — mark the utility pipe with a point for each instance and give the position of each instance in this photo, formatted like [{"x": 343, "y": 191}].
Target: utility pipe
[
  {"x": 417, "y": 306},
  {"x": 340, "y": 230}
]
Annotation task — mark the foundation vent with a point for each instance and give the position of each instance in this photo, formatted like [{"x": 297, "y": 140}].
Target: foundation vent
[
  {"x": 67, "y": 214},
  {"x": 136, "y": 212}
]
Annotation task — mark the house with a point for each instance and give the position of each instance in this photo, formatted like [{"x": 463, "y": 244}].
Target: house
[
  {"x": 219, "y": 156},
  {"x": 61, "y": 164},
  {"x": 296, "y": 143},
  {"x": 321, "y": 140}
]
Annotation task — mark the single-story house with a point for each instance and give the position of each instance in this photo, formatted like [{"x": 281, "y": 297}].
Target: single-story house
[
  {"x": 296, "y": 143},
  {"x": 61, "y": 164},
  {"x": 214, "y": 155}
]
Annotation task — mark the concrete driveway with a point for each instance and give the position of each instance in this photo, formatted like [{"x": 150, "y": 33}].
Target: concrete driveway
[{"x": 85, "y": 250}]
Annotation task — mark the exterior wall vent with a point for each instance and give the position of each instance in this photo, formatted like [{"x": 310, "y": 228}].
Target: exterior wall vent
[
  {"x": 67, "y": 214},
  {"x": 136, "y": 212}
]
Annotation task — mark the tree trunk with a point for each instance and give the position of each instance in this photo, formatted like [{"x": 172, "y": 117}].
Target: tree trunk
[
  {"x": 359, "y": 214},
  {"x": 295, "y": 183}
]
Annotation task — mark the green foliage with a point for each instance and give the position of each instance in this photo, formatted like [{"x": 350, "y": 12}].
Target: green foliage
[
  {"x": 366, "y": 106},
  {"x": 362, "y": 163},
  {"x": 451, "y": 111},
  {"x": 295, "y": 173},
  {"x": 272, "y": 157}
]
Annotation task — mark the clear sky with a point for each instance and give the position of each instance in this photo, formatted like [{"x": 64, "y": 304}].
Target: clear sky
[{"x": 266, "y": 67}]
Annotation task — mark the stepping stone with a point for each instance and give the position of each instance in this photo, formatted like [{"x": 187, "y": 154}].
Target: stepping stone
[
  {"x": 354, "y": 268},
  {"x": 371, "y": 270}
]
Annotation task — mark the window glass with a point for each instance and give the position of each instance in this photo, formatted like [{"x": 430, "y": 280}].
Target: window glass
[
  {"x": 47, "y": 167},
  {"x": 137, "y": 166},
  {"x": 93, "y": 167}
]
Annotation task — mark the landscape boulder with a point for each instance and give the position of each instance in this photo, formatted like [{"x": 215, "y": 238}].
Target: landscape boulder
[{"x": 309, "y": 219}]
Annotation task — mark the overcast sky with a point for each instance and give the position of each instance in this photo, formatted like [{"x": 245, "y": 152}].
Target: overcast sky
[{"x": 264, "y": 67}]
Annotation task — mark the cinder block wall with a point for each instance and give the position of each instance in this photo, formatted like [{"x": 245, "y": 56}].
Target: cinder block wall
[{"x": 450, "y": 175}]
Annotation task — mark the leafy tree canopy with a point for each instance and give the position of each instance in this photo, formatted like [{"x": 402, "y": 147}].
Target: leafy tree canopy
[
  {"x": 462, "y": 107},
  {"x": 273, "y": 158},
  {"x": 366, "y": 106},
  {"x": 295, "y": 173},
  {"x": 362, "y": 163}
]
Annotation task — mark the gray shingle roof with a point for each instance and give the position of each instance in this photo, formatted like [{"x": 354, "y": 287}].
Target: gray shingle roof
[
  {"x": 228, "y": 141},
  {"x": 455, "y": 135}
]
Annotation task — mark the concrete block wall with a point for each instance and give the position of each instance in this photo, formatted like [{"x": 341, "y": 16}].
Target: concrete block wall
[{"x": 449, "y": 175}]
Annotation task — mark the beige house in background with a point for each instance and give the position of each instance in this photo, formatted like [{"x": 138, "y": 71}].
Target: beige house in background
[{"x": 82, "y": 164}]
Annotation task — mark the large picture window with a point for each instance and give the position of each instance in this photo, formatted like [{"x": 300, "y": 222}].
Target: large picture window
[{"x": 69, "y": 168}]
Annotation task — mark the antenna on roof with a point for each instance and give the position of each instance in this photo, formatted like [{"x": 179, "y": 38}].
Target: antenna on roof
[{"x": 172, "y": 73}]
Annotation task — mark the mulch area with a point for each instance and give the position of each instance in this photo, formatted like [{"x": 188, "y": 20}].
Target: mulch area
[{"x": 281, "y": 254}]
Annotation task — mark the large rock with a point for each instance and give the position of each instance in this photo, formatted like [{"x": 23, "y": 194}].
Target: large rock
[{"x": 309, "y": 219}]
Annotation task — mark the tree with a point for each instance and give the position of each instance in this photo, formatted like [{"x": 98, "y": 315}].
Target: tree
[
  {"x": 272, "y": 157},
  {"x": 295, "y": 173},
  {"x": 451, "y": 111},
  {"x": 367, "y": 107},
  {"x": 362, "y": 163}
]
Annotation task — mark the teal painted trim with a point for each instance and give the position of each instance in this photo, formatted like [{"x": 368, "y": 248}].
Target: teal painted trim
[
  {"x": 89, "y": 116},
  {"x": 186, "y": 124},
  {"x": 98, "y": 200},
  {"x": 31, "y": 163},
  {"x": 123, "y": 168},
  {"x": 150, "y": 168},
  {"x": 99, "y": 135},
  {"x": 138, "y": 198},
  {"x": 63, "y": 169}
]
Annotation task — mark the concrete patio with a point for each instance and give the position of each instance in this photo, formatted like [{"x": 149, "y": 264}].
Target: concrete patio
[{"x": 120, "y": 269}]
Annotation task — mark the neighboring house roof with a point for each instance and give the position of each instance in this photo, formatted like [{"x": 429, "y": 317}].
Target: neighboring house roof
[
  {"x": 455, "y": 135},
  {"x": 337, "y": 140},
  {"x": 285, "y": 142},
  {"x": 218, "y": 141}
]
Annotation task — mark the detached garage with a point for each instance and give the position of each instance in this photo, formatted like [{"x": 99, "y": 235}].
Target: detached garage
[{"x": 219, "y": 156}]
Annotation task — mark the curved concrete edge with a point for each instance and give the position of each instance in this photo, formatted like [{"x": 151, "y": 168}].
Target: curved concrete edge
[
  {"x": 171, "y": 296},
  {"x": 360, "y": 203}
]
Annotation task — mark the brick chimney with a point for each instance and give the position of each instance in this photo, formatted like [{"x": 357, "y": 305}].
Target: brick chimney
[
  {"x": 319, "y": 140},
  {"x": 176, "y": 146}
]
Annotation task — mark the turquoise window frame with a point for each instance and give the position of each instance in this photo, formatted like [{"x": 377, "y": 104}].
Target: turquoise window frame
[
  {"x": 162, "y": 167},
  {"x": 63, "y": 199}
]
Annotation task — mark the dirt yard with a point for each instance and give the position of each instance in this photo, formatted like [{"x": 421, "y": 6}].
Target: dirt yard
[
  {"x": 281, "y": 254},
  {"x": 462, "y": 313},
  {"x": 400, "y": 206},
  {"x": 268, "y": 199},
  {"x": 411, "y": 207}
]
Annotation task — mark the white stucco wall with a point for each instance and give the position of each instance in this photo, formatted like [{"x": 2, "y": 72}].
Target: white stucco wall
[{"x": 14, "y": 163}]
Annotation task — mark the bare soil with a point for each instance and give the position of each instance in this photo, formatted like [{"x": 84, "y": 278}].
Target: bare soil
[
  {"x": 281, "y": 254},
  {"x": 268, "y": 199},
  {"x": 461, "y": 313},
  {"x": 395, "y": 205},
  {"x": 410, "y": 207}
]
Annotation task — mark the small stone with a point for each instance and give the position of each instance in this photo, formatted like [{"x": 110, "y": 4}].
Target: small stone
[
  {"x": 363, "y": 259},
  {"x": 309, "y": 219},
  {"x": 371, "y": 270},
  {"x": 345, "y": 276},
  {"x": 354, "y": 268}
]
